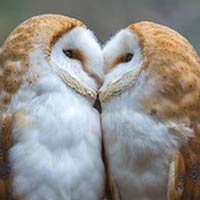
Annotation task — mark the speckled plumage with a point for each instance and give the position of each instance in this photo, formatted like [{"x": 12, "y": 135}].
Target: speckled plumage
[
  {"x": 150, "y": 113},
  {"x": 178, "y": 66}
]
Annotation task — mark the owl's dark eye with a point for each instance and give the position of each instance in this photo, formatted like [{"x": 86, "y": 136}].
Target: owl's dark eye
[
  {"x": 68, "y": 53},
  {"x": 128, "y": 57}
]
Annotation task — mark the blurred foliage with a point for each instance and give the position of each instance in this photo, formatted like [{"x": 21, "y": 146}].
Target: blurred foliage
[{"x": 105, "y": 17}]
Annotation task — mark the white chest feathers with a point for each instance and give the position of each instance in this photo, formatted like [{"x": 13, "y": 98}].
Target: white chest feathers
[
  {"x": 57, "y": 155},
  {"x": 138, "y": 148}
]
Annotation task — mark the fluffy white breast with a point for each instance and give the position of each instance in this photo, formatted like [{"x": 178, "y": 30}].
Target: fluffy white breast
[
  {"x": 138, "y": 147},
  {"x": 57, "y": 155}
]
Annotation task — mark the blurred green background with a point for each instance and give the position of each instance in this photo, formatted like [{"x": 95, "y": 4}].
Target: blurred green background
[{"x": 105, "y": 17}]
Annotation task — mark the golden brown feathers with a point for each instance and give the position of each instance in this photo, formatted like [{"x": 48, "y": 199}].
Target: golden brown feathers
[
  {"x": 186, "y": 179},
  {"x": 42, "y": 30},
  {"x": 170, "y": 58}
]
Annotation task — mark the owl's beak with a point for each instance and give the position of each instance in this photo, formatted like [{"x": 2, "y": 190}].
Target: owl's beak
[{"x": 97, "y": 105}]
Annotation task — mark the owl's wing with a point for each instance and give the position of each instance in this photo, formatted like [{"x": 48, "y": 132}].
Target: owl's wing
[
  {"x": 5, "y": 144},
  {"x": 10, "y": 77},
  {"x": 184, "y": 175}
]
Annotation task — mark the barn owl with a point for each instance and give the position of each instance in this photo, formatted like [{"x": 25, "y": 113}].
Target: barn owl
[
  {"x": 50, "y": 69},
  {"x": 151, "y": 113}
]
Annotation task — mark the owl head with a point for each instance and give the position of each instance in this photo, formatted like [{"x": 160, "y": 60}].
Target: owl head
[
  {"x": 48, "y": 49},
  {"x": 157, "y": 64}
]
